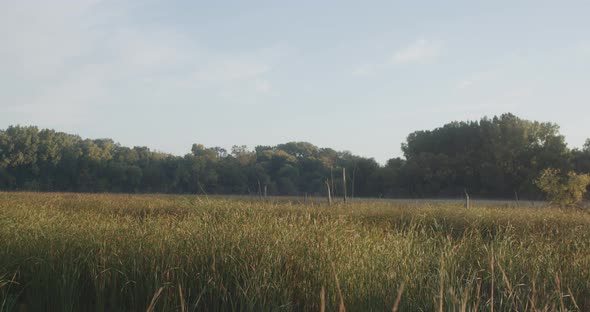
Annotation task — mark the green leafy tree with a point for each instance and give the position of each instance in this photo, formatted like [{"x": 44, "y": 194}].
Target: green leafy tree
[
  {"x": 563, "y": 189},
  {"x": 492, "y": 157}
]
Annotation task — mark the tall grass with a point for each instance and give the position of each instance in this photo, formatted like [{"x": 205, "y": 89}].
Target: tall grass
[{"x": 72, "y": 252}]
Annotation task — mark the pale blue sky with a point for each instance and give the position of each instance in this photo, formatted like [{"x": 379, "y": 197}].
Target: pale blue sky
[{"x": 356, "y": 76}]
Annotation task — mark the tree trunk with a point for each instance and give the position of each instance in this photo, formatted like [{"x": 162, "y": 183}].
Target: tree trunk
[
  {"x": 344, "y": 184},
  {"x": 353, "y": 176},
  {"x": 333, "y": 191},
  {"x": 328, "y": 190}
]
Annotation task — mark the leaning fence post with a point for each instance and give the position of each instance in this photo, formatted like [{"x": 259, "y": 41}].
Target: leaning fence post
[{"x": 466, "y": 199}]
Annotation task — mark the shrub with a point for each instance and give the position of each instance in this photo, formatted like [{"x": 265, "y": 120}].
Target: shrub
[{"x": 563, "y": 189}]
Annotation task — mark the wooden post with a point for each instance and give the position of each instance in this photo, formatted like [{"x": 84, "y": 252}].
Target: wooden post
[
  {"x": 328, "y": 189},
  {"x": 344, "y": 183},
  {"x": 265, "y": 191},
  {"x": 259, "y": 190},
  {"x": 516, "y": 196},
  {"x": 466, "y": 199}
]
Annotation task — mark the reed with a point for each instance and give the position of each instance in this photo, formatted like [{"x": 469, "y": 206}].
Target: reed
[{"x": 103, "y": 252}]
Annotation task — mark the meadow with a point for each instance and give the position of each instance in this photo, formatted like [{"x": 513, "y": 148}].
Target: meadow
[{"x": 103, "y": 252}]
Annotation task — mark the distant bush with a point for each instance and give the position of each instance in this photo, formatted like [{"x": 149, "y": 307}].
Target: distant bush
[{"x": 563, "y": 189}]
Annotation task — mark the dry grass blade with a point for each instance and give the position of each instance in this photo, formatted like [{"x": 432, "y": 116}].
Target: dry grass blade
[
  {"x": 465, "y": 300},
  {"x": 11, "y": 281},
  {"x": 398, "y": 299},
  {"x": 511, "y": 295},
  {"x": 558, "y": 283},
  {"x": 342, "y": 307},
  {"x": 569, "y": 290},
  {"x": 154, "y": 300},
  {"x": 505, "y": 278},
  {"x": 492, "y": 288},
  {"x": 478, "y": 296},
  {"x": 533, "y": 297},
  {"x": 181, "y": 295},
  {"x": 323, "y": 300},
  {"x": 441, "y": 285}
]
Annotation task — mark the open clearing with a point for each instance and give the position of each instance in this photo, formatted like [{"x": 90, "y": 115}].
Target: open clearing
[{"x": 76, "y": 252}]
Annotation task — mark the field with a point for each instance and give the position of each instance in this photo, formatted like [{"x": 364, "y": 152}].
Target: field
[{"x": 73, "y": 252}]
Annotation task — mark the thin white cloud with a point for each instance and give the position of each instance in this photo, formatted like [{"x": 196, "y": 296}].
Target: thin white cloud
[{"x": 420, "y": 51}]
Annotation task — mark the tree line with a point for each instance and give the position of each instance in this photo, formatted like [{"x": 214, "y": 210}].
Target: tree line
[{"x": 497, "y": 157}]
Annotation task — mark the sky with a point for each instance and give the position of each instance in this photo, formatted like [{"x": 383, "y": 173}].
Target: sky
[{"x": 350, "y": 75}]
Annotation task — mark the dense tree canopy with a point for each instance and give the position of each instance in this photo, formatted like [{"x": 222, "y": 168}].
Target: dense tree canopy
[
  {"x": 492, "y": 157},
  {"x": 497, "y": 157}
]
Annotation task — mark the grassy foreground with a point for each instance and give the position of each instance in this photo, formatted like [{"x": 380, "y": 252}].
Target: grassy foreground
[{"x": 72, "y": 252}]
